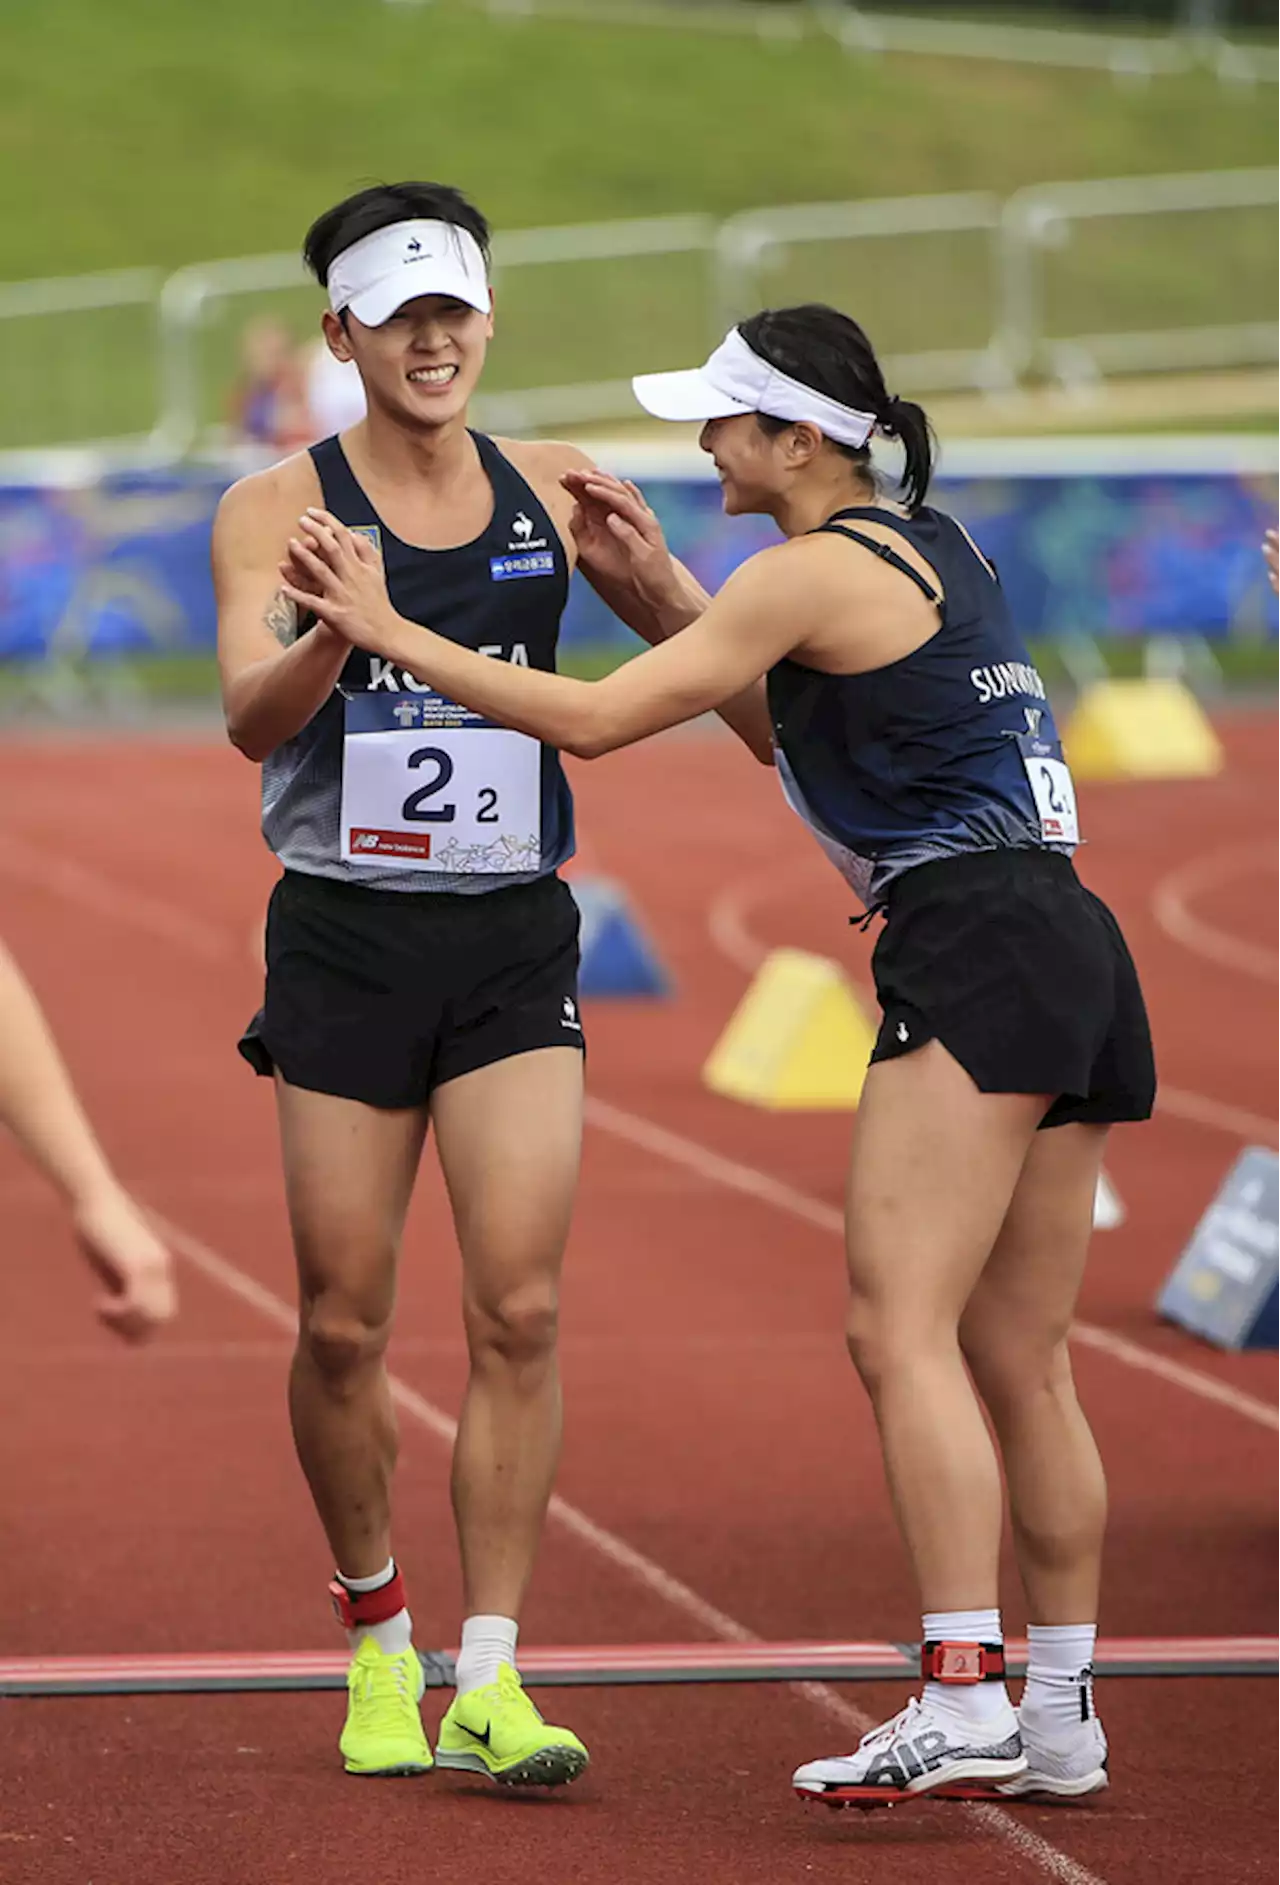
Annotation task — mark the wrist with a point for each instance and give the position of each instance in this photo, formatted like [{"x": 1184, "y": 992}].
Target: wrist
[
  {"x": 673, "y": 612},
  {"x": 396, "y": 637},
  {"x": 89, "y": 1190}
]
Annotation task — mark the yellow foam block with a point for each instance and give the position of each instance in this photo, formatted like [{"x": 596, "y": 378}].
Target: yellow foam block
[
  {"x": 1145, "y": 729},
  {"x": 798, "y": 1039}
]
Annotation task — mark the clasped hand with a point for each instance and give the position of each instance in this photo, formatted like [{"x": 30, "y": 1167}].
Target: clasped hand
[
  {"x": 619, "y": 539},
  {"x": 337, "y": 575}
]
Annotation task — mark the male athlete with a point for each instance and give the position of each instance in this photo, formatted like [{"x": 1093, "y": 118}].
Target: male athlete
[{"x": 421, "y": 949}]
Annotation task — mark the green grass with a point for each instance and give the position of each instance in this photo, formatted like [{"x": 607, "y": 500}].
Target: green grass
[
  {"x": 149, "y": 686},
  {"x": 148, "y": 132},
  {"x": 124, "y": 685}
]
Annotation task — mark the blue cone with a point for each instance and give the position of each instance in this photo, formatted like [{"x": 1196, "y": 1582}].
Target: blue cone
[{"x": 617, "y": 956}]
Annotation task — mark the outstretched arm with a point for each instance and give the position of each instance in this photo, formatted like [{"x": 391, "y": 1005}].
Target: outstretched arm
[
  {"x": 758, "y": 617},
  {"x": 39, "y": 1106}
]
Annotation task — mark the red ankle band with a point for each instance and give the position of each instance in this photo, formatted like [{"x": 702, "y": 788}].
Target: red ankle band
[
  {"x": 962, "y": 1662},
  {"x": 357, "y": 1609}
]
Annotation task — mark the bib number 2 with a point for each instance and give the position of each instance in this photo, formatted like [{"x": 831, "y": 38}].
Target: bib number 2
[
  {"x": 1055, "y": 794},
  {"x": 415, "y": 807},
  {"x": 451, "y": 793}
]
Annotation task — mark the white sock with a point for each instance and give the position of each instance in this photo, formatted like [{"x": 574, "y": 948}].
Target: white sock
[
  {"x": 1060, "y": 1671},
  {"x": 393, "y": 1635},
  {"x": 974, "y": 1703},
  {"x": 487, "y": 1643}
]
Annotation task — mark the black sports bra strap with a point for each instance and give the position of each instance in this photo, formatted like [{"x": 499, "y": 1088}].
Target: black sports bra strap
[{"x": 883, "y": 551}]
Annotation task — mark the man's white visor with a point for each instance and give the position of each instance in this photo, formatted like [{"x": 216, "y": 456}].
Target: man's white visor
[
  {"x": 378, "y": 274},
  {"x": 737, "y": 380}
]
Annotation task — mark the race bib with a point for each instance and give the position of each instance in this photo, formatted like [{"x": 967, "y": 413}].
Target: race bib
[
  {"x": 1052, "y": 788},
  {"x": 427, "y": 785}
]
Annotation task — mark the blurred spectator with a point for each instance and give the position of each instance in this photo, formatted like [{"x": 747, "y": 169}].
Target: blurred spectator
[
  {"x": 269, "y": 400},
  {"x": 287, "y": 395},
  {"x": 335, "y": 394},
  {"x": 1271, "y": 555}
]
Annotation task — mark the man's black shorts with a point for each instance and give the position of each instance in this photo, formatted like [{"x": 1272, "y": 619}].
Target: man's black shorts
[
  {"x": 1024, "y": 977},
  {"x": 383, "y": 995}
]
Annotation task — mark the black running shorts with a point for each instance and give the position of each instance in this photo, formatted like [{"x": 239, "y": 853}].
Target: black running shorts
[
  {"x": 383, "y": 995},
  {"x": 1024, "y": 977}
]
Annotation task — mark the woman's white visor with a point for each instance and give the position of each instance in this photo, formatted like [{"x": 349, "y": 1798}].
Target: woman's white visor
[{"x": 736, "y": 380}]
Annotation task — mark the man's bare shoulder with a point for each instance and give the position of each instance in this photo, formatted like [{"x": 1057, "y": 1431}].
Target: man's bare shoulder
[
  {"x": 263, "y": 501},
  {"x": 545, "y": 460}
]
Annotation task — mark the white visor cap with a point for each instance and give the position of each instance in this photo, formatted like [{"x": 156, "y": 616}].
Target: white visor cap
[
  {"x": 737, "y": 380},
  {"x": 378, "y": 274}
]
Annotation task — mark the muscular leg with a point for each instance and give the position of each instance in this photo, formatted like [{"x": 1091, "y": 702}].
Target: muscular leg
[
  {"x": 933, "y": 1169},
  {"x": 509, "y": 1138},
  {"x": 349, "y": 1174},
  {"x": 1014, "y": 1337}
]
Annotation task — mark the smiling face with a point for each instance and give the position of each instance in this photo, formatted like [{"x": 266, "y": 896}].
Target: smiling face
[
  {"x": 420, "y": 366},
  {"x": 755, "y": 469}
]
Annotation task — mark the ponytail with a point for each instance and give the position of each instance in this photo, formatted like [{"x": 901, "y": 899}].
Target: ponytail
[{"x": 903, "y": 420}]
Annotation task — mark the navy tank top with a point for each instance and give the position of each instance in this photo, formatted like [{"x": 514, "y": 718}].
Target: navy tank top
[
  {"x": 502, "y": 594},
  {"x": 951, "y": 749}
]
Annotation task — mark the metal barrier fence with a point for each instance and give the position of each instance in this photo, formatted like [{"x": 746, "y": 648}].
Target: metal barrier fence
[
  {"x": 1007, "y": 268},
  {"x": 1126, "y": 55}
]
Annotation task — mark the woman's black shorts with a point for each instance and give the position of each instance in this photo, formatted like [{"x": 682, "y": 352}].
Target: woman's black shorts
[
  {"x": 383, "y": 995},
  {"x": 1024, "y": 977}
]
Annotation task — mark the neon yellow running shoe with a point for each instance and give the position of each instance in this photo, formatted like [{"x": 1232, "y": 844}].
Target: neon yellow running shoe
[
  {"x": 497, "y": 1731},
  {"x": 384, "y": 1732}
]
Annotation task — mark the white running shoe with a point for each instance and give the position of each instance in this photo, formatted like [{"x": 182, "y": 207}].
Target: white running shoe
[
  {"x": 919, "y": 1750},
  {"x": 1067, "y": 1763}
]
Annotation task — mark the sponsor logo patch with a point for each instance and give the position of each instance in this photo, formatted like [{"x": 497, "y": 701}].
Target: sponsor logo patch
[
  {"x": 410, "y": 844},
  {"x": 513, "y": 568}
]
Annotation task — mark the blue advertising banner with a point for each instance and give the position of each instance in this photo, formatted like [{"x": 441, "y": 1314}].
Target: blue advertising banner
[{"x": 123, "y": 565}]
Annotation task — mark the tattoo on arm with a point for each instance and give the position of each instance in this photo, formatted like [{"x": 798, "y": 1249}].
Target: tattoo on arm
[{"x": 282, "y": 619}]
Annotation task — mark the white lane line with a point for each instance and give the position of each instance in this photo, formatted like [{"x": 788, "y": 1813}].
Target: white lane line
[
  {"x": 174, "y": 926},
  {"x": 1172, "y": 897},
  {"x": 1253, "y": 1128},
  {"x": 1134, "y": 1355},
  {"x": 107, "y": 897},
  {"x": 228, "y": 1276},
  {"x": 674, "y": 1147},
  {"x": 728, "y": 928},
  {"x": 756, "y": 1184},
  {"x": 643, "y": 1570}
]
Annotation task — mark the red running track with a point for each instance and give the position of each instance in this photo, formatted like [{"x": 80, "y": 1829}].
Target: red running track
[{"x": 720, "y": 1478}]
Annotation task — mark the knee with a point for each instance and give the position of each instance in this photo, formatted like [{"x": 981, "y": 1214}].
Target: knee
[
  {"x": 874, "y": 1340},
  {"x": 517, "y": 1328},
  {"x": 341, "y": 1335},
  {"x": 888, "y": 1341},
  {"x": 864, "y": 1339},
  {"x": 1011, "y": 1366}
]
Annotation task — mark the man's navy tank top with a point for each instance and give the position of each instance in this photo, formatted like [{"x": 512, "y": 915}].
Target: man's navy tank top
[
  {"x": 939, "y": 753},
  {"x": 502, "y": 594}
]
